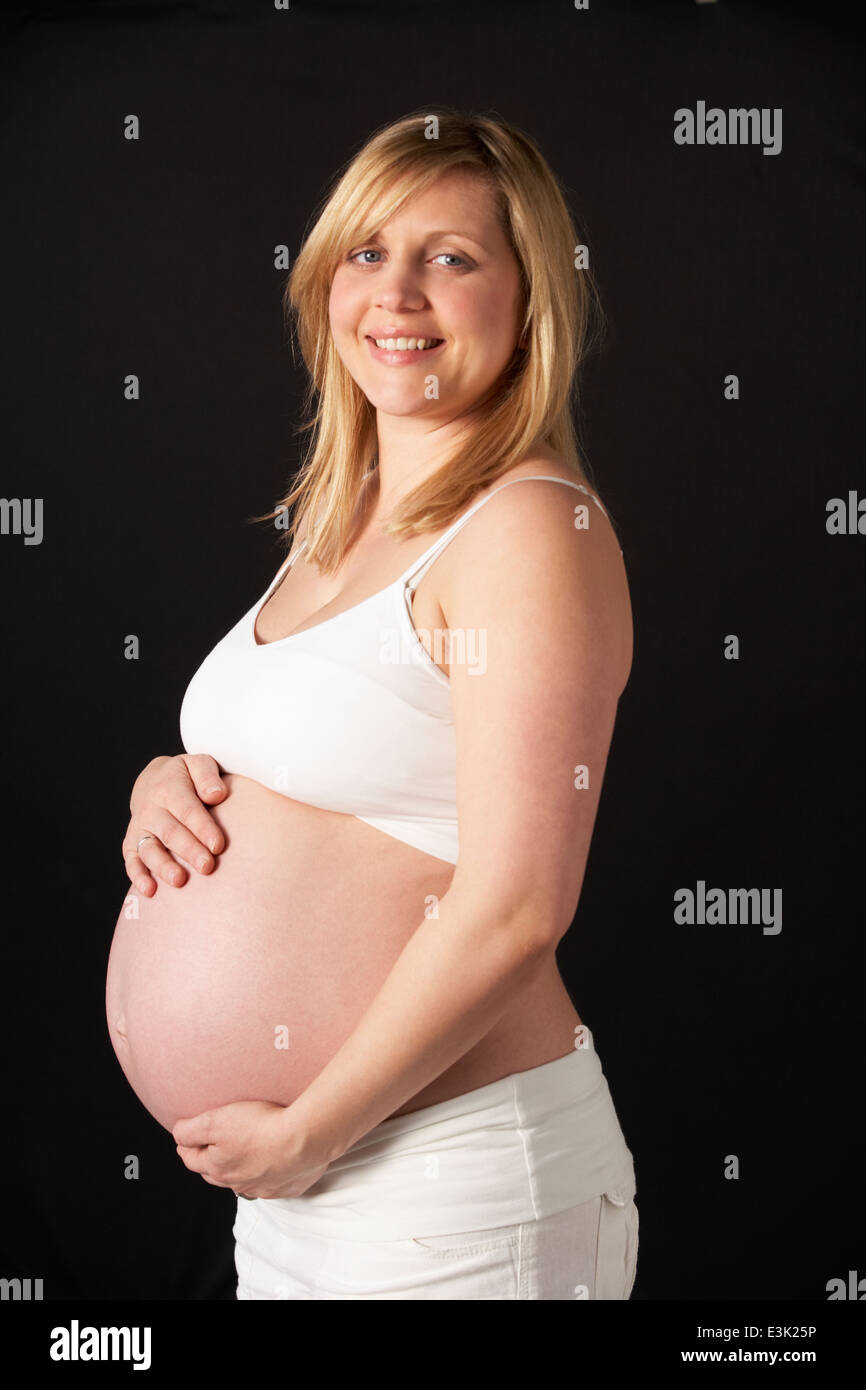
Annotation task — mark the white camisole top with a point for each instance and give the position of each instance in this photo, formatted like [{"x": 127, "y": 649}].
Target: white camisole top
[{"x": 352, "y": 715}]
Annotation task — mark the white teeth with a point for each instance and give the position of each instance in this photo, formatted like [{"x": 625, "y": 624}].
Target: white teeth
[{"x": 404, "y": 344}]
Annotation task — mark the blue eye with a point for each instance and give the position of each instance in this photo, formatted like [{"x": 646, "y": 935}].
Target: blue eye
[{"x": 371, "y": 251}]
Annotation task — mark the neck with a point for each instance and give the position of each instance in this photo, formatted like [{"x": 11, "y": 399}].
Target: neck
[{"x": 410, "y": 451}]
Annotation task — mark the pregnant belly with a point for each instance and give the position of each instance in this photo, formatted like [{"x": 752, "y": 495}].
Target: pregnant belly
[{"x": 242, "y": 984}]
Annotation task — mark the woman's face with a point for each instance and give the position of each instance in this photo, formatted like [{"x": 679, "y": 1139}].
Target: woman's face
[{"x": 440, "y": 268}]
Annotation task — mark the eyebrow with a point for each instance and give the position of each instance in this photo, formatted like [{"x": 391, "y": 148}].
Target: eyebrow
[
  {"x": 452, "y": 232},
  {"x": 455, "y": 232}
]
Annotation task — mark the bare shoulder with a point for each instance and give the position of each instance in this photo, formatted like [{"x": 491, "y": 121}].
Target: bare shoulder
[
  {"x": 552, "y": 549},
  {"x": 542, "y": 464},
  {"x": 544, "y": 504}
]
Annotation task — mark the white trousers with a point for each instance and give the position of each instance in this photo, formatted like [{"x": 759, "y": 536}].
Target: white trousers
[{"x": 521, "y": 1189}]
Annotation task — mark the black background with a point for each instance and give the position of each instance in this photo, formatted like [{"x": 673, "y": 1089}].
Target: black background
[{"x": 156, "y": 257}]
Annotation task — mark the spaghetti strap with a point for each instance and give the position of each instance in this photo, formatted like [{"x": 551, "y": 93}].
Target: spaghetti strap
[
  {"x": 413, "y": 576},
  {"x": 284, "y": 568}
]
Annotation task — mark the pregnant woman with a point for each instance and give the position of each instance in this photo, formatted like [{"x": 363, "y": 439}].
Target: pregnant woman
[{"x": 350, "y": 1012}]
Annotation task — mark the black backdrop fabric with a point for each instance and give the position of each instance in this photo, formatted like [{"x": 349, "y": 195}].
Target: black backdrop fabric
[{"x": 156, "y": 257}]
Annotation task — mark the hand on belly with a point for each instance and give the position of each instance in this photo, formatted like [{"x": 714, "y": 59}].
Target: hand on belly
[{"x": 241, "y": 984}]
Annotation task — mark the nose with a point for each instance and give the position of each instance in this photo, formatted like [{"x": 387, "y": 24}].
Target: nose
[{"x": 398, "y": 287}]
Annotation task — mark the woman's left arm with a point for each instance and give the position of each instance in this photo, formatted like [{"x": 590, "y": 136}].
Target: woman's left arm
[{"x": 540, "y": 651}]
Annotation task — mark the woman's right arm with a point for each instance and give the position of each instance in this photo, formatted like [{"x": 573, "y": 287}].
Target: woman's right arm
[{"x": 166, "y": 804}]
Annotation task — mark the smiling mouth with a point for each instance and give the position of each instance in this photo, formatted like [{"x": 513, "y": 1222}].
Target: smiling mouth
[{"x": 405, "y": 344}]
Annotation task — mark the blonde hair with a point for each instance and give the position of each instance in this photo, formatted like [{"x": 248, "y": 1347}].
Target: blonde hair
[{"x": 532, "y": 399}]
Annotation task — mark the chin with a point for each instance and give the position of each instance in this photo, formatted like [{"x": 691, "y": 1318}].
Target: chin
[{"x": 402, "y": 403}]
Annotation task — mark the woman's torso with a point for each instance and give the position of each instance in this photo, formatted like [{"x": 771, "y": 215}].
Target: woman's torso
[{"x": 243, "y": 983}]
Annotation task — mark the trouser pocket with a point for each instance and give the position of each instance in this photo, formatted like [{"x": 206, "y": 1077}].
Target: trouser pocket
[
  {"x": 469, "y": 1242},
  {"x": 616, "y": 1253}
]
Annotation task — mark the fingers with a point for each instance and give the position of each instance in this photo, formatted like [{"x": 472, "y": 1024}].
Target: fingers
[
  {"x": 182, "y": 797},
  {"x": 168, "y": 808},
  {"x": 209, "y": 786},
  {"x": 138, "y": 875},
  {"x": 149, "y": 860},
  {"x": 204, "y": 774},
  {"x": 170, "y": 825},
  {"x": 200, "y": 1159}
]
